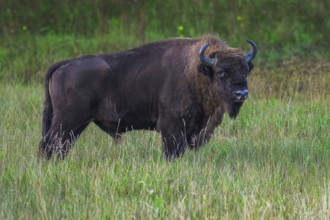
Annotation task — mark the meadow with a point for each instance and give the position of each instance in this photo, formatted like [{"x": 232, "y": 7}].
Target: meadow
[{"x": 272, "y": 162}]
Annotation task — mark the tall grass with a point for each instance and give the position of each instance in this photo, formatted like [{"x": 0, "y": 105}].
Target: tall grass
[
  {"x": 36, "y": 34},
  {"x": 272, "y": 162},
  {"x": 274, "y": 22}
]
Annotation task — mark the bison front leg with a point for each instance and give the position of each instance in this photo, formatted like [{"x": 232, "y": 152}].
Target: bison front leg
[
  {"x": 205, "y": 134},
  {"x": 173, "y": 145},
  {"x": 174, "y": 138}
]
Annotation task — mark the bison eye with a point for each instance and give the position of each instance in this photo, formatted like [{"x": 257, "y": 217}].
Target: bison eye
[{"x": 222, "y": 74}]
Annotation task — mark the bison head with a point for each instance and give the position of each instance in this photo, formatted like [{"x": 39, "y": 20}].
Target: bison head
[{"x": 228, "y": 70}]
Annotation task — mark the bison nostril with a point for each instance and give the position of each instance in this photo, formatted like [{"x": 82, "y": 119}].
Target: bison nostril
[
  {"x": 241, "y": 94},
  {"x": 237, "y": 93}
]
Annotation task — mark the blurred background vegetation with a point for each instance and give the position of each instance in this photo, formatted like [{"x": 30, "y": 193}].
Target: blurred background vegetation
[{"x": 36, "y": 33}]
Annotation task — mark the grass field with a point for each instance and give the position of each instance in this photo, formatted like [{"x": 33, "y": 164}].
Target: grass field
[{"x": 272, "y": 162}]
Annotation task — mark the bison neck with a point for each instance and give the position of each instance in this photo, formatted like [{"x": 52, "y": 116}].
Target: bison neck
[{"x": 205, "y": 94}]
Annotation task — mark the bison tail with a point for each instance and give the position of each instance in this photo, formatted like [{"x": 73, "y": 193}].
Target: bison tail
[{"x": 48, "y": 108}]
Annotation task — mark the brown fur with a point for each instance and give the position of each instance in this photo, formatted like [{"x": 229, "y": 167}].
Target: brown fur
[{"x": 201, "y": 83}]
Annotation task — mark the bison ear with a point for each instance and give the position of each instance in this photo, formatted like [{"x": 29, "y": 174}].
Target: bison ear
[
  {"x": 250, "y": 66},
  {"x": 207, "y": 71}
]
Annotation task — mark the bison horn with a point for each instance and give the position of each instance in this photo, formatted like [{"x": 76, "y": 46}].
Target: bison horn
[
  {"x": 252, "y": 53},
  {"x": 207, "y": 61}
]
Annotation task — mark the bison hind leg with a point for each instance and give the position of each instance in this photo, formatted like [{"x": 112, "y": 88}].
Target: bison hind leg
[{"x": 59, "y": 140}]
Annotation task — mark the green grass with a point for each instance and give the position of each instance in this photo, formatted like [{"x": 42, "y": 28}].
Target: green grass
[{"x": 272, "y": 162}]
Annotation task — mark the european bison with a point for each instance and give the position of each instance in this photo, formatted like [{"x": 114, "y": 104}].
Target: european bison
[{"x": 180, "y": 87}]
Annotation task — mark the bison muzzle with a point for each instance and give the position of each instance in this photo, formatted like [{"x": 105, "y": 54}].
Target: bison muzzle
[{"x": 179, "y": 87}]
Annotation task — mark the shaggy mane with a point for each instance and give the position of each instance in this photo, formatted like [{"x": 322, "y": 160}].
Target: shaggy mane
[{"x": 201, "y": 82}]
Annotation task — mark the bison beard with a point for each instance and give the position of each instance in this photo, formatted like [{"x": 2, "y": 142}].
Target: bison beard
[
  {"x": 233, "y": 109},
  {"x": 178, "y": 87}
]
